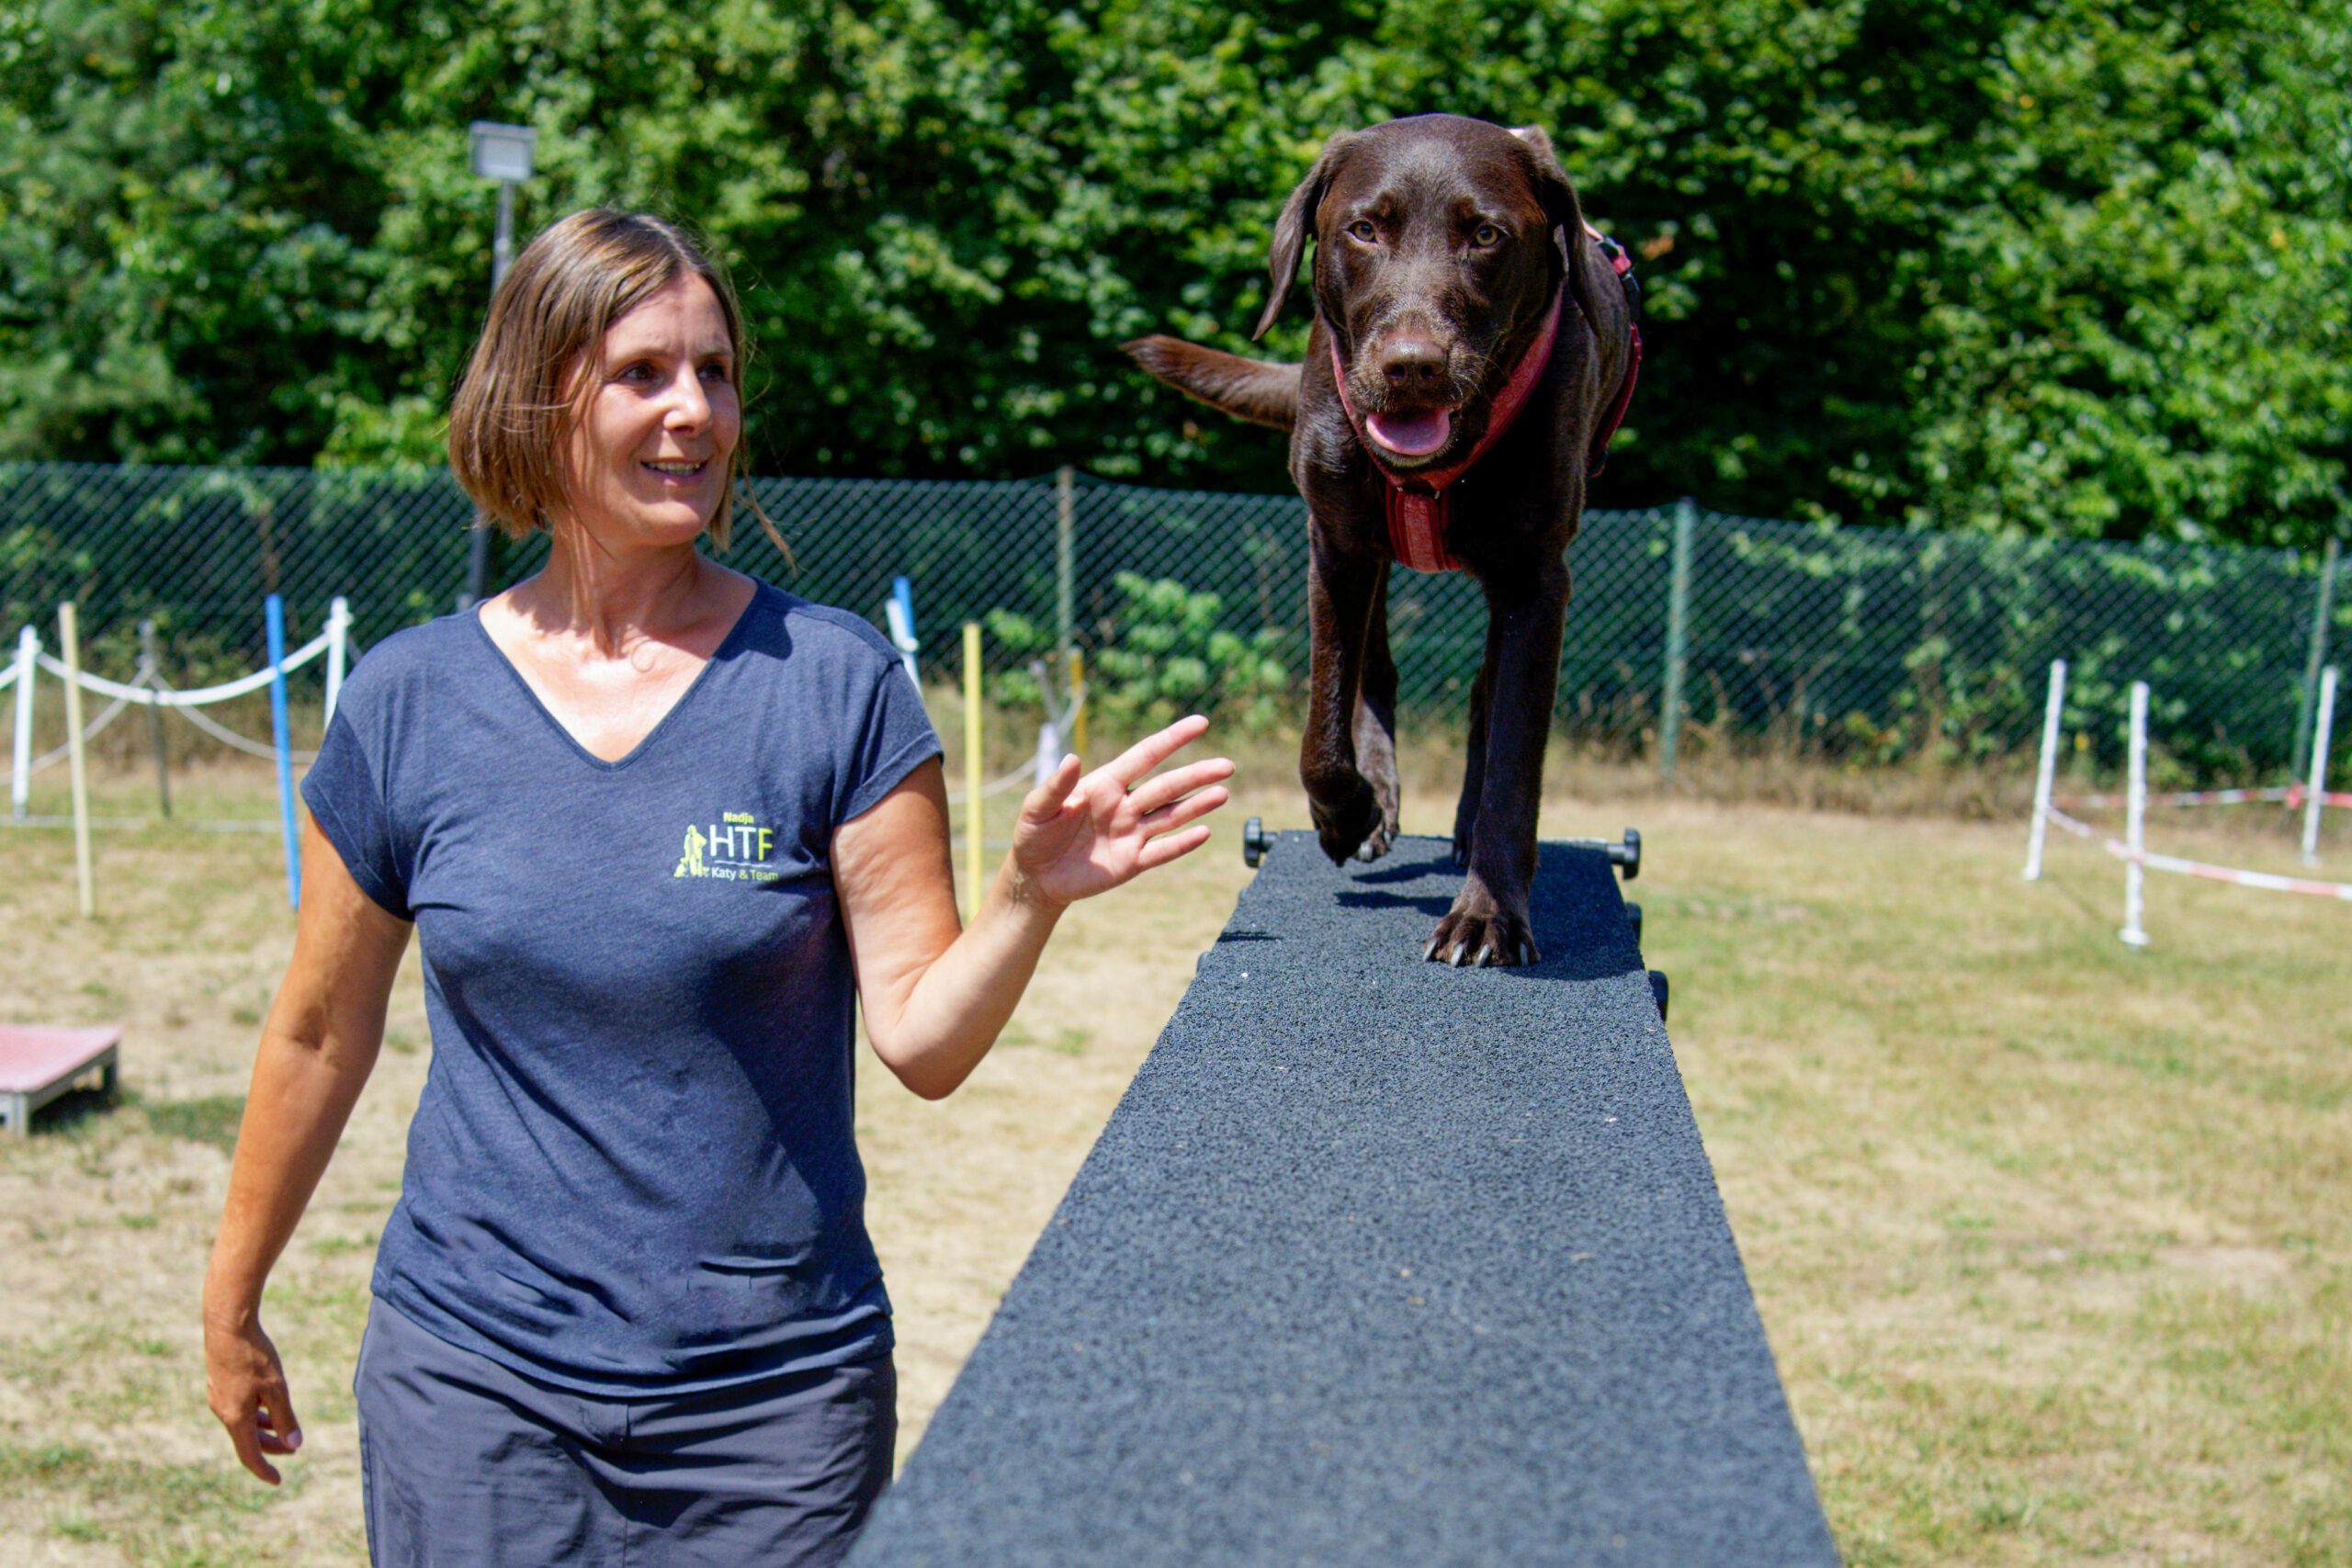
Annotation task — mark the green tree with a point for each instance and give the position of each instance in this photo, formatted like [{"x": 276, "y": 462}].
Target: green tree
[
  {"x": 2131, "y": 331},
  {"x": 185, "y": 208},
  {"x": 2057, "y": 266}
]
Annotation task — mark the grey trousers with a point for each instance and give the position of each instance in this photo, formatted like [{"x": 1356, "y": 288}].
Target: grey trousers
[{"x": 467, "y": 1464}]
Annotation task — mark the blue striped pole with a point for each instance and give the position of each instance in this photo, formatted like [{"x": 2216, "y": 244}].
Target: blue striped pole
[{"x": 275, "y": 609}]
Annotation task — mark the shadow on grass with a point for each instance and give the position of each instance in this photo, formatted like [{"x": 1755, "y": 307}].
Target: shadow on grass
[{"x": 81, "y": 1112}]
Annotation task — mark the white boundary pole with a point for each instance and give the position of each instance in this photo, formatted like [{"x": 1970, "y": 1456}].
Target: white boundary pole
[
  {"x": 69, "y": 636},
  {"x": 338, "y": 644},
  {"x": 21, "y": 780},
  {"x": 902, "y": 636},
  {"x": 2048, "y": 774},
  {"x": 2319, "y": 764},
  {"x": 274, "y": 624},
  {"x": 2135, "y": 837}
]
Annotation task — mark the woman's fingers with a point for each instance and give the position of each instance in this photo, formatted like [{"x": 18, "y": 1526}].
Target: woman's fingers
[
  {"x": 251, "y": 1436},
  {"x": 275, "y": 1429},
  {"x": 1047, "y": 800},
  {"x": 1192, "y": 804},
  {"x": 1172, "y": 846},
  {"x": 248, "y": 1394},
  {"x": 1165, "y": 789},
  {"x": 1130, "y": 766}
]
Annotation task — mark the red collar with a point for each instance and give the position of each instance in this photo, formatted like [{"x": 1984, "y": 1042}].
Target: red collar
[{"x": 1417, "y": 518}]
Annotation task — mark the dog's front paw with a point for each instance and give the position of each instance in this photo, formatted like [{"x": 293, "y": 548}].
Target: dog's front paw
[
  {"x": 1347, "y": 823},
  {"x": 1475, "y": 931}
]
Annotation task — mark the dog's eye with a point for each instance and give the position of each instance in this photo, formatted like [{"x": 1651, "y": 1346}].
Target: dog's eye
[
  {"x": 1486, "y": 236},
  {"x": 1362, "y": 229}
]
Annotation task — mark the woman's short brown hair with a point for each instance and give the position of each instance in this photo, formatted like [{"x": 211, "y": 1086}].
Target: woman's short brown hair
[{"x": 516, "y": 406}]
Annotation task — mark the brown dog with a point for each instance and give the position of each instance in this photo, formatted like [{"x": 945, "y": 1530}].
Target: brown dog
[{"x": 1474, "y": 346}]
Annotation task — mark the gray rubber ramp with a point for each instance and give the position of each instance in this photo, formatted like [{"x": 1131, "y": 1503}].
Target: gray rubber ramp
[{"x": 1380, "y": 1262}]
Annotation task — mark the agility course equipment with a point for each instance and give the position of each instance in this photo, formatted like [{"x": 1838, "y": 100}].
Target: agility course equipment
[
  {"x": 37, "y": 1064},
  {"x": 2051, "y": 808},
  {"x": 147, "y": 688},
  {"x": 1380, "y": 1261}
]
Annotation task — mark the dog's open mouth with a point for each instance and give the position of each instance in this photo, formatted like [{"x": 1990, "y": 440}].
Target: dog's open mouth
[{"x": 1411, "y": 435}]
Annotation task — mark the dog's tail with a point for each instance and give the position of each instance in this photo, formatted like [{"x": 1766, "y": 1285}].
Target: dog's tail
[{"x": 1246, "y": 388}]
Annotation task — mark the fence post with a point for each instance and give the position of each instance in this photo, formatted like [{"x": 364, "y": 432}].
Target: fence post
[
  {"x": 273, "y": 620},
  {"x": 1678, "y": 637},
  {"x": 1065, "y": 569},
  {"x": 2321, "y": 610},
  {"x": 21, "y": 780},
  {"x": 975, "y": 818},
  {"x": 2319, "y": 764},
  {"x": 69, "y": 638},
  {"x": 151, "y": 668},
  {"x": 2135, "y": 820},
  {"x": 2047, "y": 774}
]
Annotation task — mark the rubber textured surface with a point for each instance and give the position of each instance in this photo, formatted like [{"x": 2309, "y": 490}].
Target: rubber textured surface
[{"x": 1380, "y": 1262}]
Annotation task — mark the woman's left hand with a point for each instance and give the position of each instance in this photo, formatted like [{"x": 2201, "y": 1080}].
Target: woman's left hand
[{"x": 1078, "y": 837}]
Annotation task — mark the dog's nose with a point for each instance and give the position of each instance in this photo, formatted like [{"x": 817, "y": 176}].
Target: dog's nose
[{"x": 1410, "y": 364}]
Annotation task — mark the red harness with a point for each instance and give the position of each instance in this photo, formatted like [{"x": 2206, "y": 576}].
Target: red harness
[{"x": 1417, "y": 511}]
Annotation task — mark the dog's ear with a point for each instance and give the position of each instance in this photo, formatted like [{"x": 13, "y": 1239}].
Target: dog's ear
[
  {"x": 1592, "y": 277},
  {"x": 1558, "y": 198},
  {"x": 1291, "y": 228}
]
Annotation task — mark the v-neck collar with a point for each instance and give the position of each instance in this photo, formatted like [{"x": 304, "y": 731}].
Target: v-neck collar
[{"x": 735, "y": 634}]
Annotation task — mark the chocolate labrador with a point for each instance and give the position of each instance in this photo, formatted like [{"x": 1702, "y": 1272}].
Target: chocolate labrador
[{"x": 1473, "y": 348}]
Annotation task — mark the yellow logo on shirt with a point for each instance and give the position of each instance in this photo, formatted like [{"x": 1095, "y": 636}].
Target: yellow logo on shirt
[{"x": 733, "y": 848}]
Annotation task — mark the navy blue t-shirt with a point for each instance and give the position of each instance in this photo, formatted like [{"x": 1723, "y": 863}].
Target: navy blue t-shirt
[{"x": 632, "y": 1167}]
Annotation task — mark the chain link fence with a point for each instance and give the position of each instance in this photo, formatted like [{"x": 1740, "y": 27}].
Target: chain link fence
[{"x": 1853, "y": 645}]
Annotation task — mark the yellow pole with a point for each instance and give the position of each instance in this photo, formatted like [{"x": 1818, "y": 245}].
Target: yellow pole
[
  {"x": 973, "y": 816},
  {"x": 1077, "y": 689},
  {"x": 68, "y": 634}
]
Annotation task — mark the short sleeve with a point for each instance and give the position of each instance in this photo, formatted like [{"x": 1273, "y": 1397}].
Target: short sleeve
[
  {"x": 344, "y": 790},
  {"x": 894, "y": 737}
]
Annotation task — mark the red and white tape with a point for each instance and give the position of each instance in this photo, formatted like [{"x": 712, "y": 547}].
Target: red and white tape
[
  {"x": 2293, "y": 796},
  {"x": 2123, "y": 852},
  {"x": 2132, "y": 849}
]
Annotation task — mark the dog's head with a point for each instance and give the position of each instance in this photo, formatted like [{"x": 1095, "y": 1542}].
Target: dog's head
[{"x": 1439, "y": 242}]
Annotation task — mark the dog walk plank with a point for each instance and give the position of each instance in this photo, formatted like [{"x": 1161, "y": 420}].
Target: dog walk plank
[{"x": 1380, "y": 1262}]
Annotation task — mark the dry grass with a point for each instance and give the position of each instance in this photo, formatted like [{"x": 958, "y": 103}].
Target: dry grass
[{"x": 2052, "y": 1239}]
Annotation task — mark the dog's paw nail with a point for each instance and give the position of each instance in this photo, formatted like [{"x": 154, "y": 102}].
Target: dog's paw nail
[
  {"x": 1461, "y": 955},
  {"x": 1486, "y": 956},
  {"x": 1428, "y": 950}
]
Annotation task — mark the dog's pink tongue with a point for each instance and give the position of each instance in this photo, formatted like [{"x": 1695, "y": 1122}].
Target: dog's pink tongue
[{"x": 1413, "y": 436}]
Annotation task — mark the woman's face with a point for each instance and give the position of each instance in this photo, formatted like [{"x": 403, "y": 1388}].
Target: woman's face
[{"x": 649, "y": 459}]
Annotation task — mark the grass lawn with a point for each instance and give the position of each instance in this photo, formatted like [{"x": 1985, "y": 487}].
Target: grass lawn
[{"x": 2052, "y": 1239}]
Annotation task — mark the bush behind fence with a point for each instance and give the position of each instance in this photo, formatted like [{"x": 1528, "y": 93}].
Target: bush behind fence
[{"x": 1867, "y": 644}]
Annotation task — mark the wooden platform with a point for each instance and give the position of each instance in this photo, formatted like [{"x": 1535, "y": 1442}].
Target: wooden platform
[{"x": 37, "y": 1065}]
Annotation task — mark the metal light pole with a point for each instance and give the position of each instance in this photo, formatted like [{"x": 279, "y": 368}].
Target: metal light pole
[{"x": 502, "y": 152}]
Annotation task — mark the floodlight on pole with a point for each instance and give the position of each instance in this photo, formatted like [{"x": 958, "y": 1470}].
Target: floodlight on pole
[{"x": 501, "y": 153}]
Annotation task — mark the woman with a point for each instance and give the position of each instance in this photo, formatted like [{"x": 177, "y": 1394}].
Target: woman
[{"x": 661, "y": 827}]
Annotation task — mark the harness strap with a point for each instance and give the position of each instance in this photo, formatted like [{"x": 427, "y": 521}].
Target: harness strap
[
  {"x": 1607, "y": 430},
  {"x": 1418, "y": 509},
  {"x": 1418, "y": 512}
]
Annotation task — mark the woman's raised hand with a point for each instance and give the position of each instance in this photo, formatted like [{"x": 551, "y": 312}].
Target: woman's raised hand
[{"x": 1078, "y": 837}]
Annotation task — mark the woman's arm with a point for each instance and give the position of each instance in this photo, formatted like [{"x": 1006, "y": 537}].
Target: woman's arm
[
  {"x": 317, "y": 1049},
  {"x": 935, "y": 996}
]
